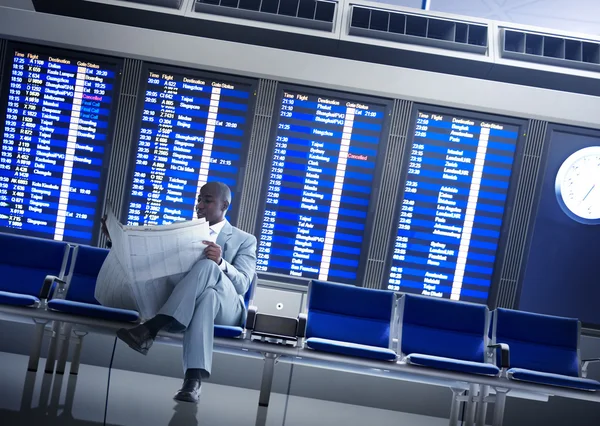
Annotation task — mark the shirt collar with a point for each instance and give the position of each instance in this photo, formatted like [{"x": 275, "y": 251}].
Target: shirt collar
[{"x": 217, "y": 227}]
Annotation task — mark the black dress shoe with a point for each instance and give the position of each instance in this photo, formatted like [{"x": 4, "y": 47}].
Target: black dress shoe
[
  {"x": 137, "y": 338},
  {"x": 190, "y": 391}
]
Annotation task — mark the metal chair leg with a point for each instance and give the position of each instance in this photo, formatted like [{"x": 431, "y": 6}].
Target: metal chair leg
[
  {"x": 47, "y": 380},
  {"x": 70, "y": 396},
  {"x": 65, "y": 338},
  {"x": 77, "y": 351},
  {"x": 457, "y": 395},
  {"x": 499, "y": 406},
  {"x": 265, "y": 388},
  {"x": 471, "y": 405},
  {"x": 53, "y": 404},
  {"x": 27, "y": 397},
  {"x": 484, "y": 390},
  {"x": 36, "y": 349},
  {"x": 50, "y": 360}
]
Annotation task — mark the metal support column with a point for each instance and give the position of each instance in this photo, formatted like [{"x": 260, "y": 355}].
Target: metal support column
[
  {"x": 265, "y": 388},
  {"x": 36, "y": 349},
  {"x": 65, "y": 338},
  {"x": 457, "y": 398},
  {"x": 482, "y": 404},
  {"x": 499, "y": 406},
  {"x": 79, "y": 335},
  {"x": 52, "y": 348},
  {"x": 469, "y": 419}
]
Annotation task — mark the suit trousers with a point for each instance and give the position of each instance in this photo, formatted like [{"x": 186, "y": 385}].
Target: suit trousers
[{"x": 202, "y": 298}]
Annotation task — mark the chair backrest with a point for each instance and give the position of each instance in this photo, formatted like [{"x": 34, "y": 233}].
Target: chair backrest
[
  {"x": 539, "y": 342},
  {"x": 82, "y": 280},
  {"x": 349, "y": 314},
  {"x": 25, "y": 262},
  {"x": 442, "y": 327}
]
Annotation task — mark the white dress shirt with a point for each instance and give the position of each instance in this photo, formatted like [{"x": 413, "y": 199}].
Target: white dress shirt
[{"x": 214, "y": 233}]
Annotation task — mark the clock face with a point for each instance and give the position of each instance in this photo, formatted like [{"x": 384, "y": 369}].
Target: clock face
[{"x": 578, "y": 186}]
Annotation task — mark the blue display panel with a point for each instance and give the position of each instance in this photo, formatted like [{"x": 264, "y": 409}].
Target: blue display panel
[
  {"x": 561, "y": 268},
  {"x": 55, "y": 138},
  {"x": 452, "y": 209},
  {"x": 194, "y": 128},
  {"x": 318, "y": 187}
]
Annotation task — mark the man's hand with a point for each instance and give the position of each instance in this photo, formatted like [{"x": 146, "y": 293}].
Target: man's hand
[
  {"x": 213, "y": 252},
  {"x": 104, "y": 228}
]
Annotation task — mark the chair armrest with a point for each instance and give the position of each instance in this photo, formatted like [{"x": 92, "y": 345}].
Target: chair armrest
[
  {"x": 585, "y": 364},
  {"x": 48, "y": 287},
  {"x": 251, "y": 318},
  {"x": 504, "y": 354},
  {"x": 301, "y": 327}
]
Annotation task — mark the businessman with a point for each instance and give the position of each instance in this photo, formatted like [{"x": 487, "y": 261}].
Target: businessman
[{"x": 212, "y": 292}]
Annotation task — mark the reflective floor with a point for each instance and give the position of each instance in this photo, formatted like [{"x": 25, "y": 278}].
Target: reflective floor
[{"x": 145, "y": 399}]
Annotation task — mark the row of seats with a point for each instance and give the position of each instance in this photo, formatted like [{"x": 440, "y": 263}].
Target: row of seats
[
  {"x": 351, "y": 323},
  {"x": 446, "y": 335},
  {"x": 61, "y": 277}
]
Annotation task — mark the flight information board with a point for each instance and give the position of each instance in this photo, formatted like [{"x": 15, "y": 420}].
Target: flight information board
[
  {"x": 55, "y": 137},
  {"x": 451, "y": 213},
  {"x": 194, "y": 128},
  {"x": 319, "y": 184}
]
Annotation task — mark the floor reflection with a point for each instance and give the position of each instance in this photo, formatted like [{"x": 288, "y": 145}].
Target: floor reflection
[
  {"x": 136, "y": 399},
  {"x": 184, "y": 414}
]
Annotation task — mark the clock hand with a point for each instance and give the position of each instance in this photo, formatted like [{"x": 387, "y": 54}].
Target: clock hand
[{"x": 589, "y": 192}]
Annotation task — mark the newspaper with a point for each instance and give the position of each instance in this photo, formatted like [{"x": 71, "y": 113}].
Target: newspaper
[{"x": 143, "y": 259}]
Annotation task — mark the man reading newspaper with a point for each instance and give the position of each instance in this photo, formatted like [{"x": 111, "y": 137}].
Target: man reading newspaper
[{"x": 209, "y": 291}]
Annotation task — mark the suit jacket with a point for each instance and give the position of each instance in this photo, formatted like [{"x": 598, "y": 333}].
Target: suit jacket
[{"x": 239, "y": 255}]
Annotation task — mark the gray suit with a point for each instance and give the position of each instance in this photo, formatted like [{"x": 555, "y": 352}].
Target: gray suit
[
  {"x": 198, "y": 300},
  {"x": 206, "y": 296}
]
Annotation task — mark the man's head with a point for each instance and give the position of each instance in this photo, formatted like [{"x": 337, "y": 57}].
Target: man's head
[{"x": 213, "y": 202}]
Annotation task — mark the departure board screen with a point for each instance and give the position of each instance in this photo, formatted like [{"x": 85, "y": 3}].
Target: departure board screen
[
  {"x": 194, "y": 128},
  {"x": 451, "y": 213},
  {"x": 318, "y": 186},
  {"x": 55, "y": 137}
]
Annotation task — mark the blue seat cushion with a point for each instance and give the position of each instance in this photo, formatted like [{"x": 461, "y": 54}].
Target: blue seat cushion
[
  {"x": 551, "y": 379},
  {"x": 16, "y": 299},
  {"x": 228, "y": 331},
  {"x": 351, "y": 349},
  {"x": 93, "y": 311},
  {"x": 451, "y": 364}
]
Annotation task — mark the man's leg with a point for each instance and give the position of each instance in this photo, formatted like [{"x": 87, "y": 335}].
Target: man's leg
[
  {"x": 198, "y": 338},
  {"x": 217, "y": 305},
  {"x": 197, "y": 345},
  {"x": 179, "y": 306}
]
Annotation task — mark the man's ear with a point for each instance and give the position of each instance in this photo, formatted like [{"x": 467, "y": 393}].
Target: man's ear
[{"x": 225, "y": 205}]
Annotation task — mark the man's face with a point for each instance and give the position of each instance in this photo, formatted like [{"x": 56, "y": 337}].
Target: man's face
[{"x": 210, "y": 205}]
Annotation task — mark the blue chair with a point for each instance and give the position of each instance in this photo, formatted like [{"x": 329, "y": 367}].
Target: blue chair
[
  {"x": 348, "y": 320},
  {"x": 444, "y": 334},
  {"x": 76, "y": 296},
  {"x": 452, "y": 336},
  {"x": 24, "y": 265},
  {"x": 543, "y": 349}
]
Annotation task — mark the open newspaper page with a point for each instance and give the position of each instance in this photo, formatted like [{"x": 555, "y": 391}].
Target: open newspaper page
[{"x": 145, "y": 257}]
